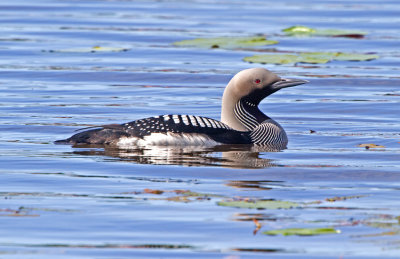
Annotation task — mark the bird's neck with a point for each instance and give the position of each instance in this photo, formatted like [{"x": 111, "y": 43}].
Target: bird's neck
[
  {"x": 229, "y": 100},
  {"x": 241, "y": 114},
  {"x": 248, "y": 114}
]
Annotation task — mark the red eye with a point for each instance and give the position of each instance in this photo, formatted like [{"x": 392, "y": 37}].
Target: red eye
[{"x": 257, "y": 81}]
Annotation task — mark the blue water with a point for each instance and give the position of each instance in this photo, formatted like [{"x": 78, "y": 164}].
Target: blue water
[{"x": 57, "y": 201}]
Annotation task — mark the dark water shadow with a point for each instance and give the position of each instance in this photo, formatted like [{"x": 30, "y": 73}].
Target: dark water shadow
[{"x": 231, "y": 156}]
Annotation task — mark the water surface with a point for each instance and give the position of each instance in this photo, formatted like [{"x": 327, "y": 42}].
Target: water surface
[{"x": 94, "y": 202}]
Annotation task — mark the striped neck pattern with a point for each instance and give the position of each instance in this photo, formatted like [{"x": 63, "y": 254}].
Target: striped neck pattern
[
  {"x": 269, "y": 132},
  {"x": 248, "y": 114},
  {"x": 262, "y": 129}
]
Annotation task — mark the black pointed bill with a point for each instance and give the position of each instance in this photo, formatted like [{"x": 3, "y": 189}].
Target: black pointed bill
[{"x": 285, "y": 82}]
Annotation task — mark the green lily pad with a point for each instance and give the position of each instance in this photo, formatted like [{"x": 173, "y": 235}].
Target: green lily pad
[
  {"x": 302, "y": 231},
  {"x": 273, "y": 59},
  {"x": 259, "y": 204},
  {"x": 340, "y": 33},
  {"x": 189, "y": 193},
  {"x": 355, "y": 57},
  {"x": 300, "y": 30},
  {"x": 226, "y": 42},
  {"x": 344, "y": 198},
  {"x": 317, "y": 57},
  {"x": 309, "y": 57},
  {"x": 91, "y": 50}
]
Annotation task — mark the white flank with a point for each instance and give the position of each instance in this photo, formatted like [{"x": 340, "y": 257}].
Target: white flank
[{"x": 167, "y": 139}]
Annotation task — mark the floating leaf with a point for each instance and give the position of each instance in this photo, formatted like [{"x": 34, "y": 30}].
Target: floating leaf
[
  {"x": 178, "y": 199},
  {"x": 194, "y": 194},
  {"x": 340, "y": 33},
  {"x": 153, "y": 191},
  {"x": 316, "y": 57},
  {"x": 343, "y": 198},
  {"x": 226, "y": 42},
  {"x": 300, "y": 30},
  {"x": 258, "y": 204},
  {"x": 367, "y": 146},
  {"x": 254, "y": 41},
  {"x": 355, "y": 57},
  {"x": 91, "y": 50},
  {"x": 302, "y": 231},
  {"x": 272, "y": 59},
  {"x": 308, "y": 57}
]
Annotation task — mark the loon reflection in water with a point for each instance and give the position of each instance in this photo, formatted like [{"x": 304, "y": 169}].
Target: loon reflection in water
[
  {"x": 241, "y": 120},
  {"x": 231, "y": 156}
]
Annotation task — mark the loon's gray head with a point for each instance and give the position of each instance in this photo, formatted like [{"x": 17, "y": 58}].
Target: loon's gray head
[{"x": 251, "y": 85}]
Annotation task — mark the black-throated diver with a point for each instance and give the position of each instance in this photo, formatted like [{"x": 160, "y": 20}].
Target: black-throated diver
[{"x": 241, "y": 120}]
